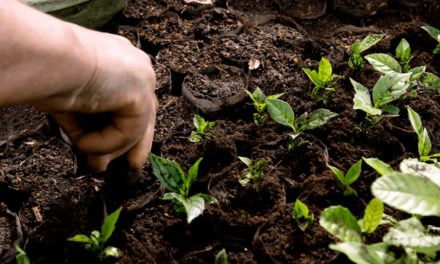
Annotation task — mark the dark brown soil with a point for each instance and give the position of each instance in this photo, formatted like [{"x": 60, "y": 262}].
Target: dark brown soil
[{"x": 206, "y": 52}]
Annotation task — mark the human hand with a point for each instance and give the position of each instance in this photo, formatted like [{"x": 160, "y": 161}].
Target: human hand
[{"x": 120, "y": 88}]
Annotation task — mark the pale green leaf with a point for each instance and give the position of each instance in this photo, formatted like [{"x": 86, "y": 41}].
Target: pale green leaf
[
  {"x": 221, "y": 257},
  {"x": 281, "y": 112},
  {"x": 413, "y": 166},
  {"x": 369, "y": 41},
  {"x": 424, "y": 145},
  {"x": 300, "y": 210},
  {"x": 195, "y": 137},
  {"x": 246, "y": 161},
  {"x": 360, "y": 253},
  {"x": 408, "y": 192},
  {"x": 390, "y": 87},
  {"x": 111, "y": 252},
  {"x": 316, "y": 119},
  {"x": 80, "y": 238},
  {"x": 415, "y": 120},
  {"x": 353, "y": 173},
  {"x": 325, "y": 70},
  {"x": 169, "y": 173},
  {"x": 339, "y": 222},
  {"x": 433, "y": 32},
  {"x": 384, "y": 63},
  {"x": 109, "y": 225},
  {"x": 391, "y": 110},
  {"x": 194, "y": 205},
  {"x": 430, "y": 80},
  {"x": 340, "y": 175},
  {"x": 198, "y": 122},
  {"x": 379, "y": 166},
  {"x": 314, "y": 77},
  {"x": 362, "y": 99},
  {"x": 403, "y": 50},
  {"x": 417, "y": 72},
  {"x": 21, "y": 256},
  {"x": 372, "y": 215}
]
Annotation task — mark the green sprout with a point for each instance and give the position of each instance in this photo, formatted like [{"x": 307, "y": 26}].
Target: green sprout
[
  {"x": 21, "y": 256},
  {"x": 424, "y": 142},
  {"x": 221, "y": 257},
  {"x": 301, "y": 214},
  {"x": 259, "y": 100},
  {"x": 283, "y": 114},
  {"x": 96, "y": 241},
  {"x": 356, "y": 62},
  {"x": 347, "y": 179},
  {"x": 178, "y": 185},
  {"x": 323, "y": 79},
  {"x": 253, "y": 174},
  {"x": 202, "y": 126},
  {"x": 387, "y": 89},
  {"x": 435, "y": 34}
]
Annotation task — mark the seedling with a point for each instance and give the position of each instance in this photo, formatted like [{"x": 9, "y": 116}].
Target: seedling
[
  {"x": 283, "y": 114},
  {"x": 323, "y": 79},
  {"x": 387, "y": 89},
  {"x": 259, "y": 100},
  {"x": 178, "y": 185},
  {"x": 356, "y": 62},
  {"x": 424, "y": 142},
  {"x": 221, "y": 257},
  {"x": 347, "y": 179},
  {"x": 202, "y": 129},
  {"x": 253, "y": 174},
  {"x": 301, "y": 214},
  {"x": 21, "y": 256},
  {"x": 96, "y": 241},
  {"x": 435, "y": 34}
]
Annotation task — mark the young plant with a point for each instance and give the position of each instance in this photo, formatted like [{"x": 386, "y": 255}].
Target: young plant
[
  {"x": 21, "y": 256},
  {"x": 259, "y": 100},
  {"x": 253, "y": 174},
  {"x": 221, "y": 257},
  {"x": 356, "y": 62},
  {"x": 323, "y": 79},
  {"x": 96, "y": 241},
  {"x": 202, "y": 129},
  {"x": 283, "y": 114},
  {"x": 435, "y": 34},
  {"x": 178, "y": 185},
  {"x": 387, "y": 89},
  {"x": 301, "y": 214},
  {"x": 347, "y": 179},
  {"x": 424, "y": 145}
]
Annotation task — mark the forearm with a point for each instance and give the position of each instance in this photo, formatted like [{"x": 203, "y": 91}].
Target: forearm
[{"x": 40, "y": 55}]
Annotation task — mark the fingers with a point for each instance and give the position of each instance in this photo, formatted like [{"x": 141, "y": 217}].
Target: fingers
[
  {"x": 70, "y": 125},
  {"x": 137, "y": 156}
]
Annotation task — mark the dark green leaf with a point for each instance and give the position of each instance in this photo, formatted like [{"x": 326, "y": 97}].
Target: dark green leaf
[
  {"x": 353, "y": 173},
  {"x": 317, "y": 118},
  {"x": 281, "y": 112},
  {"x": 390, "y": 88},
  {"x": 169, "y": 173},
  {"x": 192, "y": 175}
]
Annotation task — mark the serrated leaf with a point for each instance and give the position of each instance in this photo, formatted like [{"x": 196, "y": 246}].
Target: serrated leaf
[
  {"x": 353, "y": 173},
  {"x": 369, "y": 41},
  {"x": 390, "y": 87},
  {"x": 316, "y": 119},
  {"x": 362, "y": 99},
  {"x": 430, "y": 80},
  {"x": 372, "y": 216},
  {"x": 403, "y": 191},
  {"x": 325, "y": 70},
  {"x": 192, "y": 174},
  {"x": 360, "y": 253},
  {"x": 314, "y": 77},
  {"x": 429, "y": 171},
  {"x": 384, "y": 63},
  {"x": 339, "y": 222},
  {"x": 221, "y": 257},
  {"x": 337, "y": 172},
  {"x": 379, "y": 166},
  {"x": 281, "y": 112},
  {"x": 403, "y": 50},
  {"x": 169, "y": 173},
  {"x": 109, "y": 225}
]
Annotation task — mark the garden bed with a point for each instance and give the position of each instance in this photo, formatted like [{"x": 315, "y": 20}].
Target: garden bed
[{"x": 205, "y": 56}]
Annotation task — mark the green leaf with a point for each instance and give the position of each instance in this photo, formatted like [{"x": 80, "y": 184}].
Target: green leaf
[
  {"x": 259, "y": 95},
  {"x": 316, "y": 119},
  {"x": 424, "y": 145},
  {"x": 169, "y": 173},
  {"x": 246, "y": 161},
  {"x": 403, "y": 51},
  {"x": 275, "y": 96},
  {"x": 21, "y": 256},
  {"x": 369, "y": 41},
  {"x": 379, "y": 166},
  {"x": 198, "y": 121},
  {"x": 281, "y": 112},
  {"x": 353, "y": 173},
  {"x": 415, "y": 120},
  {"x": 221, "y": 257},
  {"x": 408, "y": 192},
  {"x": 384, "y": 63},
  {"x": 194, "y": 205},
  {"x": 417, "y": 72},
  {"x": 372, "y": 216},
  {"x": 195, "y": 137},
  {"x": 339, "y": 222},
  {"x": 350, "y": 191},
  {"x": 356, "y": 47},
  {"x": 390, "y": 87},
  {"x": 192, "y": 175},
  {"x": 325, "y": 70},
  {"x": 430, "y": 80},
  {"x": 111, "y": 252},
  {"x": 314, "y": 77},
  {"x": 391, "y": 109},
  {"x": 340, "y": 175},
  {"x": 433, "y": 32},
  {"x": 429, "y": 171},
  {"x": 360, "y": 253},
  {"x": 109, "y": 225},
  {"x": 300, "y": 210},
  {"x": 80, "y": 238},
  {"x": 362, "y": 99}
]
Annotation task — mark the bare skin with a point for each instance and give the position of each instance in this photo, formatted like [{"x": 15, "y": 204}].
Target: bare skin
[{"x": 66, "y": 70}]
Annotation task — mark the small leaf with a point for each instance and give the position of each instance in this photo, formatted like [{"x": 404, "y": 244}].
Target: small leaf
[
  {"x": 360, "y": 253},
  {"x": 415, "y": 120},
  {"x": 381, "y": 167},
  {"x": 281, "y": 112},
  {"x": 300, "y": 210},
  {"x": 356, "y": 47},
  {"x": 317, "y": 118},
  {"x": 111, "y": 252},
  {"x": 391, "y": 109},
  {"x": 403, "y": 191},
  {"x": 403, "y": 50},
  {"x": 246, "y": 161},
  {"x": 275, "y": 96},
  {"x": 198, "y": 121},
  {"x": 372, "y": 216},
  {"x": 169, "y": 173},
  {"x": 192, "y": 174},
  {"x": 362, "y": 99},
  {"x": 417, "y": 72},
  {"x": 424, "y": 145},
  {"x": 314, "y": 77},
  {"x": 384, "y": 63},
  {"x": 195, "y": 137},
  {"x": 259, "y": 95},
  {"x": 340, "y": 175},
  {"x": 339, "y": 222},
  {"x": 194, "y": 205},
  {"x": 21, "y": 257},
  {"x": 369, "y": 41},
  {"x": 221, "y": 257},
  {"x": 390, "y": 87},
  {"x": 109, "y": 225},
  {"x": 325, "y": 70},
  {"x": 432, "y": 31},
  {"x": 80, "y": 238},
  {"x": 353, "y": 173}
]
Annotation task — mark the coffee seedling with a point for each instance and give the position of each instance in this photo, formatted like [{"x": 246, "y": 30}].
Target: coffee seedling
[
  {"x": 387, "y": 89},
  {"x": 21, "y": 256},
  {"x": 221, "y": 257},
  {"x": 95, "y": 242},
  {"x": 346, "y": 179},
  {"x": 178, "y": 185},
  {"x": 253, "y": 174},
  {"x": 323, "y": 79},
  {"x": 356, "y": 62},
  {"x": 424, "y": 142},
  {"x": 259, "y": 100},
  {"x": 301, "y": 214},
  {"x": 435, "y": 34},
  {"x": 283, "y": 114},
  {"x": 202, "y": 129}
]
